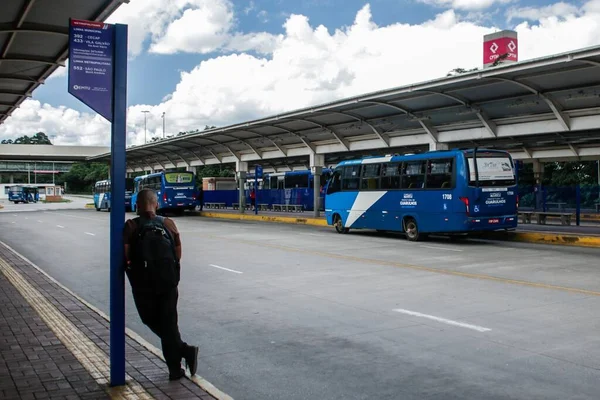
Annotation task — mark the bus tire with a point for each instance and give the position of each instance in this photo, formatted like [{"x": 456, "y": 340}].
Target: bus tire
[
  {"x": 411, "y": 229},
  {"x": 339, "y": 225}
]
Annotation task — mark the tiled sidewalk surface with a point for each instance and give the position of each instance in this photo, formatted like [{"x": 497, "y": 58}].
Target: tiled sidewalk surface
[{"x": 35, "y": 364}]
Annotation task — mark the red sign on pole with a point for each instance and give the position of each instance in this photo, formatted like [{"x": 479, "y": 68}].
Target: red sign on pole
[{"x": 502, "y": 48}]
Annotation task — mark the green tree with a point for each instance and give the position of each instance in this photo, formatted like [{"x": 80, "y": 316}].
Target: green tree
[
  {"x": 82, "y": 176},
  {"x": 458, "y": 71},
  {"x": 38, "y": 138}
]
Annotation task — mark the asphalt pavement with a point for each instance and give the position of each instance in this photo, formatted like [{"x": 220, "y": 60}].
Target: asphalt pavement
[{"x": 297, "y": 312}]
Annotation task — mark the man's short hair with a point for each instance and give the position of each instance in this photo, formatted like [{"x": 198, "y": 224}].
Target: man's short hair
[{"x": 146, "y": 197}]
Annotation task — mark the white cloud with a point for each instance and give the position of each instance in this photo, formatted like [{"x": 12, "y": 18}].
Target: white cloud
[
  {"x": 198, "y": 30},
  {"x": 263, "y": 16},
  {"x": 308, "y": 65},
  {"x": 469, "y": 5},
  {"x": 564, "y": 10},
  {"x": 164, "y": 23}
]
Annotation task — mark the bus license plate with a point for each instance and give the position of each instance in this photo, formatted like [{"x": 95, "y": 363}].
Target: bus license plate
[{"x": 494, "y": 221}]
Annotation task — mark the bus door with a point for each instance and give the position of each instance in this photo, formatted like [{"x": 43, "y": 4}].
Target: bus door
[
  {"x": 370, "y": 191},
  {"x": 491, "y": 186}
]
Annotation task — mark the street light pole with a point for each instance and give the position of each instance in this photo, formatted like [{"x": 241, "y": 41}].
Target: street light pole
[
  {"x": 163, "y": 117},
  {"x": 145, "y": 130}
]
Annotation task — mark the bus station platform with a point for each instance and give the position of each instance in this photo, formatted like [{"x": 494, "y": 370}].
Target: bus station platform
[
  {"x": 54, "y": 345},
  {"x": 586, "y": 235}
]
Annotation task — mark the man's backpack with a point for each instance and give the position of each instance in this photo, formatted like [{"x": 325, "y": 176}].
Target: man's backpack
[{"x": 154, "y": 266}]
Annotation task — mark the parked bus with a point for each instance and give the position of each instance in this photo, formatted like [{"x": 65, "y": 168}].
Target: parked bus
[
  {"x": 102, "y": 197},
  {"x": 176, "y": 191},
  {"x": 23, "y": 194},
  {"x": 442, "y": 192},
  {"x": 291, "y": 187}
]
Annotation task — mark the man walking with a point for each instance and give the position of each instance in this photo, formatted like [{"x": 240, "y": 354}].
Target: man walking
[{"x": 152, "y": 256}]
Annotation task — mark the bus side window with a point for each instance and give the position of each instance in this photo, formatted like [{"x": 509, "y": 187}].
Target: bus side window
[
  {"x": 370, "y": 177},
  {"x": 390, "y": 176},
  {"x": 439, "y": 174},
  {"x": 413, "y": 175},
  {"x": 351, "y": 177},
  {"x": 335, "y": 184}
]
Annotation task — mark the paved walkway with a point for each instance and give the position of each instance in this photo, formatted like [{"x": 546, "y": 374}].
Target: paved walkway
[{"x": 52, "y": 346}]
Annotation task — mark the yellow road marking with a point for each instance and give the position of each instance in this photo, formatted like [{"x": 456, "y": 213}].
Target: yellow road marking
[
  {"x": 93, "y": 359},
  {"x": 409, "y": 266}
]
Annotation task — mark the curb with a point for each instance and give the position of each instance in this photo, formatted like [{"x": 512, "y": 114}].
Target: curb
[
  {"x": 546, "y": 238},
  {"x": 527, "y": 237},
  {"x": 265, "y": 218}
]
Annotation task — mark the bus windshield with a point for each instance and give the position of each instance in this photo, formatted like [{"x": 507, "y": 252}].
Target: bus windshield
[
  {"x": 493, "y": 169},
  {"x": 178, "y": 178}
]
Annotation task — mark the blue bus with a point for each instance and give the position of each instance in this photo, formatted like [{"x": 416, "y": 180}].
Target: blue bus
[
  {"x": 176, "y": 191},
  {"x": 23, "y": 194},
  {"x": 291, "y": 187},
  {"x": 102, "y": 198},
  {"x": 441, "y": 192}
]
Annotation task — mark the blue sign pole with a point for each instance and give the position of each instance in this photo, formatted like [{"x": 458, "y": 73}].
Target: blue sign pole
[
  {"x": 117, "y": 211},
  {"x": 98, "y": 77}
]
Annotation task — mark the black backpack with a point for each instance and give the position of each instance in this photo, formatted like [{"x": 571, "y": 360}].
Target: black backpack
[{"x": 154, "y": 267}]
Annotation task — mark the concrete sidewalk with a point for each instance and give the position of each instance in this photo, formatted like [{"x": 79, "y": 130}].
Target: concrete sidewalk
[{"x": 53, "y": 345}]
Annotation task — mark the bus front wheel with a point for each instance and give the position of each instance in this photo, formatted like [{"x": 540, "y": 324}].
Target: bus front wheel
[
  {"x": 339, "y": 225},
  {"x": 411, "y": 230}
]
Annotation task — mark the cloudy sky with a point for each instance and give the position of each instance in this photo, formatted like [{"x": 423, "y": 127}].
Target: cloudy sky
[{"x": 219, "y": 62}]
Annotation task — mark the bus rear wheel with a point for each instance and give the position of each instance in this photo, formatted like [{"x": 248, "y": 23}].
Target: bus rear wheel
[
  {"x": 339, "y": 225},
  {"x": 411, "y": 229}
]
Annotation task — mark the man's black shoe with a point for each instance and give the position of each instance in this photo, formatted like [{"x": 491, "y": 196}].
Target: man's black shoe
[
  {"x": 174, "y": 376},
  {"x": 191, "y": 359}
]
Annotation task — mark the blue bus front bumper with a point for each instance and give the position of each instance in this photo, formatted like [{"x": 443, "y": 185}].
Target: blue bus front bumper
[{"x": 483, "y": 224}]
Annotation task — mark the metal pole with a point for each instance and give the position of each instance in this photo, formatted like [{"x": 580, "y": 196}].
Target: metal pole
[
  {"x": 145, "y": 127},
  {"x": 164, "y": 118},
  {"x": 578, "y": 205},
  {"x": 53, "y": 172},
  {"x": 117, "y": 211}
]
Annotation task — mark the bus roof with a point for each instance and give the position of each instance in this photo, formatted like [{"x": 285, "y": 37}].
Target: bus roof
[
  {"x": 137, "y": 178},
  {"x": 416, "y": 157}
]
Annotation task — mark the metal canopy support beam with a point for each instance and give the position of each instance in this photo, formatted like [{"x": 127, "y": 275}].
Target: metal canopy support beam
[
  {"x": 34, "y": 28},
  {"x": 590, "y": 62},
  {"x": 306, "y": 142},
  {"x": 555, "y": 107},
  {"x": 16, "y": 77},
  {"x": 336, "y": 135},
  {"x": 483, "y": 117},
  {"x": 384, "y": 138},
  {"x": 574, "y": 150},
  {"x": 197, "y": 156},
  {"x": 233, "y": 152},
  {"x": 158, "y": 162},
  {"x": 22, "y": 16},
  {"x": 212, "y": 153},
  {"x": 251, "y": 147},
  {"x": 171, "y": 161},
  {"x": 40, "y": 60},
  {"x": 15, "y": 92},
  {"x": 426, "y": 125},
  {"x": 267, "y": 138}
]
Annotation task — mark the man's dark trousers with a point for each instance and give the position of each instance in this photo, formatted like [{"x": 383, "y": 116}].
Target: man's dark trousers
[{"x": 159, "y": 313}]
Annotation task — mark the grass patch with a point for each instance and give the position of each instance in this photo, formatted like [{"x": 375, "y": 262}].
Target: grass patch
[{"x": 61, "y": 201}]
